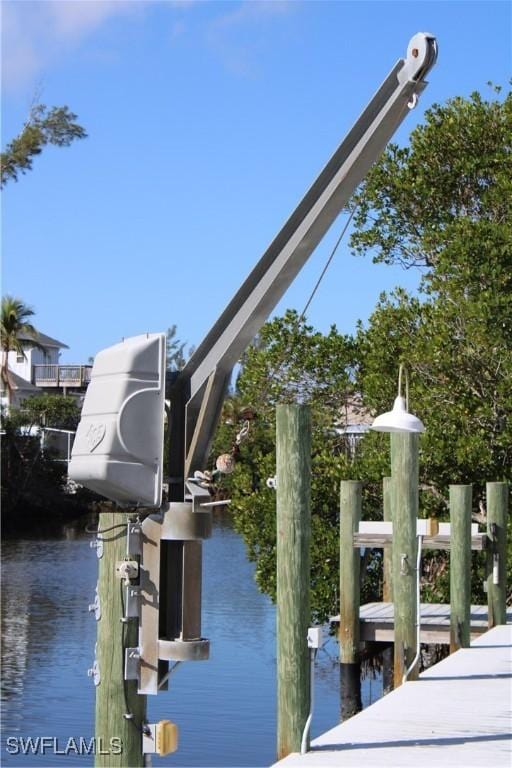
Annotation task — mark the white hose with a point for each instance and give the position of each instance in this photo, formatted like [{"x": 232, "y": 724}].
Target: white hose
[
  {"x": 418, "y": 612},
  {"x": 305, "y": 732}
]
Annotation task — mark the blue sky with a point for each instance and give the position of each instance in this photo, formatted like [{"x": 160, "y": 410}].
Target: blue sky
[{"x": 207, "y": 123}]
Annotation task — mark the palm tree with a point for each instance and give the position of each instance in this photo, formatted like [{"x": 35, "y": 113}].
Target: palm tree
[{"x": 13, "y": 332}]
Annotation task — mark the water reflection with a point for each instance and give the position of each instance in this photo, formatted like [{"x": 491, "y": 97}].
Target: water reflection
[
  {"x": 46, "y": 586},
  {"x": 15, "y": 619},
  {"x": 225, "y": 708}
]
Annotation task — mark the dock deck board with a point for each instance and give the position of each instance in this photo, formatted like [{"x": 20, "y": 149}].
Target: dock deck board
[
  {"x": 459, "y": 713},
  {"x": 377, "y": 622}
]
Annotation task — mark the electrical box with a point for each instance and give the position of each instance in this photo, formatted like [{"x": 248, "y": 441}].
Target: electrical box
[
  {"x": 315, "y": 637},
  {"x": 118, "y": 448}
]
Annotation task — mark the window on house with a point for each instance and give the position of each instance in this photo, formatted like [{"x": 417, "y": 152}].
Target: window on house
[{"x": 20, "y": 357}]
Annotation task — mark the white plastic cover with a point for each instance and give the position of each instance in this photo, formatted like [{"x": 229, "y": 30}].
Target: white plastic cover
[{"x": 118, "y": 448}]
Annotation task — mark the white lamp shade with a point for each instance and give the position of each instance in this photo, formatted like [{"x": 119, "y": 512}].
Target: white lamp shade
[{"x": 397, "y": 420}]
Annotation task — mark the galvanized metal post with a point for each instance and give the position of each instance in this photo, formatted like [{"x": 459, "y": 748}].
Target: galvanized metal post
[
  {"x": 404, "y": 492},
  {"x": 350, "y": 560},
  {"x": 118, "y": 737},
  {"x": 460, "y": 566},
  {"x": 293, "y": 471},
  {"x": 497, "y": 514}
]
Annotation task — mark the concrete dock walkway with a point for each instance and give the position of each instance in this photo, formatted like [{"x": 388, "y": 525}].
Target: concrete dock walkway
[{"x": 459, "y": 713}]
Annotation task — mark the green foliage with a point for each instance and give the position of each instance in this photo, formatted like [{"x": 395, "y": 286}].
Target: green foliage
[
  {"x": 14, "y": 323},
  {"x": 29, "y": 477},
  {"x": 444, "y": 203},
  {"x": 175, "y": 351},
  {"x": 32, "y": 482},
  {"x": 44, "y": 126},
  {"x": 458, "y": 165},
  {"x": 290, "y": 362},
  {"x": 47, "y": 410},
  {"x": 14, "y": 320},
  {"x": 447, "y": 204}
]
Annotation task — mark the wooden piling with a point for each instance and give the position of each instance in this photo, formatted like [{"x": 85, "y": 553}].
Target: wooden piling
[
  {"x": 112, "y": 637},
  {"x": 350, "y": 559},
  {"x": 404, "y": 494},
  {"x": 387, "y": 586},
  {"x": 497, "y": 513},
  {"x": 460, "y": 566},
  {"x": 293, "y": 475},
  {"x": 387, "y": 577}
]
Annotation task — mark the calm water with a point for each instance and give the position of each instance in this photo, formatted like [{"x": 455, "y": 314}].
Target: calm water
[{"x": 225, "y": 708}]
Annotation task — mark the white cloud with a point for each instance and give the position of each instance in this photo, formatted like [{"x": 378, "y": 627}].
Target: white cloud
[
  {"x": 35, "y": 34},
  {"x": 20, "y": 60},
  {"x": 239, "y": 35},
  {"x": 251, "y": 11},
  {"x": 76, "y": 18}
]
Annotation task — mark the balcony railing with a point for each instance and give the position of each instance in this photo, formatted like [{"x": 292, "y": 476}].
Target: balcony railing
[{"x": 61, "y": 375}]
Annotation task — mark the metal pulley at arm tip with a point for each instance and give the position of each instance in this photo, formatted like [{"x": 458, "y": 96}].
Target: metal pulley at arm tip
[{"x": 421, "y": 57}]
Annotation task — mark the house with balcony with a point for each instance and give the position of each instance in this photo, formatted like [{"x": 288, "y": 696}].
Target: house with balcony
[{"x": 37, "y": 370}]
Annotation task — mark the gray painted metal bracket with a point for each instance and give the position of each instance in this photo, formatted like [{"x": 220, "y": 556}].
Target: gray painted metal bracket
[
  {"x": 131, "y": 663},
  {"x": 149, "y": 573},
  {"x": 197, "y": 494},
  {"x": 132, "y": 602},
  {"x": 134, "y": 539},
  {"x": 149, "y": 739},
  {"x": 184, "y": 650},
  {"x": 180, "y": 522},
  {"x": 183, "y": 521}
]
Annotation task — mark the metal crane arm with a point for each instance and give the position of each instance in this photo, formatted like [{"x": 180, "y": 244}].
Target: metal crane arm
[{"x": 199, "y": 390}]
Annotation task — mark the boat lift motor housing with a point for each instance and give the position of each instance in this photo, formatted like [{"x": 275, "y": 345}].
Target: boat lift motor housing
[{"x": 118, "y": 448}]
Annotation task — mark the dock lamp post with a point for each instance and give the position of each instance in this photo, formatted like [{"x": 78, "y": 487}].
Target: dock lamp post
[{"x": 404, "y": 428}]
